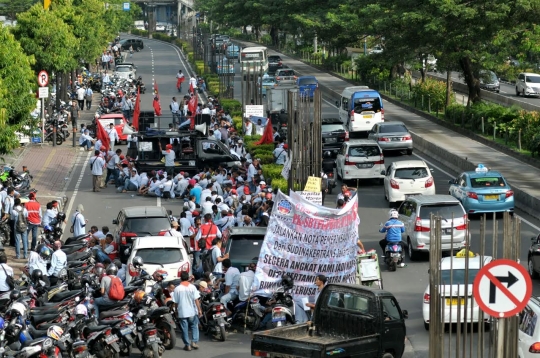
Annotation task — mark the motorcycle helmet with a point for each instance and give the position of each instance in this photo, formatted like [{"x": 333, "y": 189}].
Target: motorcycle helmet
[
  {"x": 287, "y": 282},
  {"x": 86, "y": 279},
  {"x": 99, "y": 269},
  {"x": 13, "y": 331},
  {"x": 44, "y": 252},
  {"x": 15, "y": 295},
  {"x": 130, "y": 76},
  {"x": 61, "y": 216},
  {"x": 2, "y": 323},
  {"x": 140, "y": 78},
  {"x": 139, "y": 295},
  {"x": 160, "y": 275},
  {"x": 137, "y": 262},
  {"x": 112, "y": 269},
  {"x": 48, "y": 228},
  {"x": 394, "y": 214},
  {"x": 37, "y": 275},
  {"x": 81, "y": 310},
  {"x": 55, "y": 332}
]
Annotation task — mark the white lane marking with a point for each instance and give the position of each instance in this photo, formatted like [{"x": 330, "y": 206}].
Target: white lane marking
[
  {"x": 76, "y": 189},
  {"x": 453, "y": 176},
  {"x": 158, "y": 201}
]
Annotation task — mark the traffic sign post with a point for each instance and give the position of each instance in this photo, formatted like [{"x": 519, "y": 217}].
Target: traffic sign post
[
  {"x": 502, "y": 289},
  {"x": 43, "y": 79},
  {"x": 43, "y": 92}
]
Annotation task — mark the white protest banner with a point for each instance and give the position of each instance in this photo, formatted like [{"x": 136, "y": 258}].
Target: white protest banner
[
  {"x": 313, "y": 197},
  {"x": 254, "y": 110},
  {"x": 304, "y": 240},
  {"x": 287, "y": 167}
]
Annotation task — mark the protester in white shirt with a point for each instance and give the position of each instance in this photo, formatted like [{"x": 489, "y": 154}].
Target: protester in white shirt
[
  {"x": 79, "y": 222},
  {"x": 245, "y": 282},
  {"x": 5, "y": 271}
]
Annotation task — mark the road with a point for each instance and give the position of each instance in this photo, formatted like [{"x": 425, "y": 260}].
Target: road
[
  {"x": 507, "y": 90},
  {"x": 407, "y": 284}
]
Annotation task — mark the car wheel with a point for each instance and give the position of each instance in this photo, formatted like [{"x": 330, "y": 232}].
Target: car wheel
[
  {"x": 138, "y": 49},
  {"x": 426, "y": 326},
  {"x": 530, "y": 267},
  {"x": 517, "y": 92},
  {"x": 413, "y": 254},
  {"x": 523, "y": 93},
  {"x": 409, "y": 151}
]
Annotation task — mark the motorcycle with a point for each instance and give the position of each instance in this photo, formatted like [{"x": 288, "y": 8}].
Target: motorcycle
[
  {"x": 393, "y": 255},
  {"x": 5, "y": 231},
  {"x": 248, "y": 314},
  {"x": 214, "y": 315},
  {"x": 147, "y": 339},
  {"x": 283, "y": 310}
]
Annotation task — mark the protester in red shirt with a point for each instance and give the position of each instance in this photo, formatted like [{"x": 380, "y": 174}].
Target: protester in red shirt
[{"x": 34, "y": 218}]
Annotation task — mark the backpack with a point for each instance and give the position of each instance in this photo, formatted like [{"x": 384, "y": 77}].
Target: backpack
[
  {"x": 22, "y": 225},
  {"x": 207, "y": 262},
  {"x": 116, "y": 290}
]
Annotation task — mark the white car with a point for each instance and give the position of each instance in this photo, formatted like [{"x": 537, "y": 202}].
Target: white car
[
  {"x": 123, "y": 71},
  {"x": 452, "y": 288},
  {"x": 161, "y": 26},
  {"x": 376, "y": 49},
  {"x": 161, "y": 252},
  {"x": 528, "y": 84},
  {"x": 360, "y": 159},
  {"x": 529, "y": 330},
  {"x": 406, "y": 178}
]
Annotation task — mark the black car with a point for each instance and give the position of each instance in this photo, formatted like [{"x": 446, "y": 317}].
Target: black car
[
  {"x": 137, "y": 44},
  {"x": 274, "y": 64},
  {"x": 334, "y": 133},
  {"x": 243, "y": 244},
  {"x": 533, "y": 258}
]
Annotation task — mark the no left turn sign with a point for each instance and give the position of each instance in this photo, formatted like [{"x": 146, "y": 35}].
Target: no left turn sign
[{"x": 502, "y": 288}]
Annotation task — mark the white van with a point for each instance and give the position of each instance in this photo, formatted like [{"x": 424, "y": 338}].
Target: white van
[
  {"x": 529, "y": 330},
  {"x": 360, "y": 108}
]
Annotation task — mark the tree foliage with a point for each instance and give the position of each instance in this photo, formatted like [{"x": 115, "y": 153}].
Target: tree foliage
[{"x": 11, "y": 8}]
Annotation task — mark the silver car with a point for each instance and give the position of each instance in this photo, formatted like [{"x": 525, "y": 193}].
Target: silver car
[
  {"x": 123, "y": 71},
  {"x": 392, "y": 136}
]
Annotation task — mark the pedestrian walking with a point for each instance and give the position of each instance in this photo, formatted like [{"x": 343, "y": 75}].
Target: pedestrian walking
[
  {"x": 180, "y": 78},
  {"x": 97, "y": 163},
  {"x": 88, "y": 98},
  {"x": 80, "y": 97},
  {"x": 7, "y": 206},
  {"x": 104, "y": 60},
  {"x": 175, "y": 109},
  {"x": 78, "y": 222},
  {"x": 186, "y": 298},
  {"x": 58, "y": 262},
  {"x": 130, "y": 51},
  {"x": 113, "y": 136},
  {"x": 74, "y": 113},
  {"x": 19, "y": 215}
]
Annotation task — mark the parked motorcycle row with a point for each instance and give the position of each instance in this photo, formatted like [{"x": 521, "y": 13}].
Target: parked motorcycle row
[{"x": 59, "y": 320}]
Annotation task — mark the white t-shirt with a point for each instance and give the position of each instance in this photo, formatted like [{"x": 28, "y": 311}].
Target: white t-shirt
[
  {"x": 216, "y": 252},
  {"x": 232, "y": 276},
  {"x": 3, "y": 285},
  {"x": 244, "y": 284}
]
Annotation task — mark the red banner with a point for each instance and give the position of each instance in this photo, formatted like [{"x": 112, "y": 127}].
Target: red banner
[
  {"x": 103, "y": 136},
  {"x": 268, "y": 136}
]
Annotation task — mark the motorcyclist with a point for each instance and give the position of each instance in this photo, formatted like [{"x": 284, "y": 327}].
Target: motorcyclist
[{"x": 393, "y": 229}]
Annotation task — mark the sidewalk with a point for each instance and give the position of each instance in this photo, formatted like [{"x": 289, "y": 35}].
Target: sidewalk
[
  {"x": 51, "y": 168},
  {"x": 455, "y": 150}
]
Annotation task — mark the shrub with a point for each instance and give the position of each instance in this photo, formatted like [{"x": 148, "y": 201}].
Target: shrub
[
  {"x": 138, "y": 32},
  {"x": 261, "y": 147},
  {"x": 266, "y": 158},
  {"x": 432, "y": 89},
  {"x": 232, "y": 105},
  {"x": 237, "y": 123},
  {"x": 281, "y": 184},
  {"x": 199, "y": 66},
  {"x": 272, "y": 171}
]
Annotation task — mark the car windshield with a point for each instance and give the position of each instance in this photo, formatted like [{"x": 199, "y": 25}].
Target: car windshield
[
  {"x": 307, "y": 81},
  {"x": 286, "y": 73},
  {"x": 532, "y": 79},
  {"x": 147, "y": 226},
  {"x": 411, "y": 173},
  {"x": 117, "y": 121},
  {"x": 367, "y": 105},
  {"x": 458, "y": 276},
  {"x": 446, "y": 211},
  {"x": 488, "y": 77},
  {"x": 484, "y": 182},
  {"x": 123, "y": 69},
  {"x": 161, "y": 255},
  {"x": 245, "y": 248},
  {"x": 269, "y": 80},
  {"x": 332, "y": 128},
  {"x": 364, "y": 151},
  {"x": 274, "y": 58},
  {"x": 393, "y": 128}
]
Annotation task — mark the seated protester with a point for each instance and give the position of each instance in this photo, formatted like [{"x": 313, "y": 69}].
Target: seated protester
[
  {"x": 124, "y": 174},
  {"x": 144, "y": 189},
  {"x": 49, "y": 218},
  {"x": 231, "y": 198},
  {"x": 153, "y": 189},
  {"x": 266, "y": 214},
  {"x": 97, "y": 250},
  {"x": 261, "y": 187},
  {"x": 191, "y": 205},
  {"x": 242, "y": 213},
  {"x": 226, "y": 221},
  {"x": 110, "y": 247},
  {"x": 168, "y": 186},
  {"x": 220, "y": 204},
  {"x": 122, "y": 269},
  {"x": 246, "y": 221}
]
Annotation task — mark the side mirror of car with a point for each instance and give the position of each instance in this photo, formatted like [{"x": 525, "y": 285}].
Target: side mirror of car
[
  {"x": 383, "y": 172},
  {"x": 115, "y": 222},
  {"x": 405, "y": 314},
  {"x": 522, "y": 80},
  {"x": 337, "y": 103},
  {"x": 452, "y": 181},
  {"x": 533, "y": 238}
]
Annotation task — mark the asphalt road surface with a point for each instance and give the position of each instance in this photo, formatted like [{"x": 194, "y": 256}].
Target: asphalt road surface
[{"x": 407, "y": 284}]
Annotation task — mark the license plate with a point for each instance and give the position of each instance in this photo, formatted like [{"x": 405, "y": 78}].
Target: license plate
[
  {"x": 152, "y": 339},
  {"x": 447, "y": 231},
  {"x": 396, "y": 139},
  {"x": 111, "y": 339},
  {"x": 218, "y": 315},
  {"x": 330, "y": 140},
  {"x": 395, "y": 255},
  {"x": 367, "y": 116},
  {"x": 455, "y": 302},
  {"x": 279, "y": 319},
  {"x": 491, "y": 197},
  {"x": 255, "y": 305},
  {"x": 364, "y": 165},
  {"x": 126, "y": 330}
]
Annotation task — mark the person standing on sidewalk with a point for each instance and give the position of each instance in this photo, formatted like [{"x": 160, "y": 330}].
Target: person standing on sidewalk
[
  {"x": 104, "y": 60},
  {"x": 113, "y": 168},
  {"x": 58, "y": 262},
  {"x": 97, "y": 163},
  {"x": 78, "y": 222},
  {"x": 113, "y": 136},
  {"x": 88, "y": 97},
  {"x": 7, "y": 206},
  {"x": 75, "y": 114},
  {"x": 19, "y": 216},
  {"x": 34, "y": 218},
  {"x": 186, "y": 297}
]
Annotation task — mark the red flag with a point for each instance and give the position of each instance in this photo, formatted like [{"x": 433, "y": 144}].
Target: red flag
[
  {"x": 157, "y": 106},
  {"x": 192, "y": 107},
  {"x": 191, "y": 89},
  {"x": 137, "y": 110},
  {"x": 103, "y": 136},
  {"x": 156, "y": 89},
  {"x": 268, "y": 136}
]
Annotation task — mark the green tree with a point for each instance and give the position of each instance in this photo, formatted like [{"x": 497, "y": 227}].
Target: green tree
[
  {"x": 118, "y": 20},
  {"x": 11, "y": 8},
  {"x": 48, "y": 38},
  {"x": 18, "y": 79}
]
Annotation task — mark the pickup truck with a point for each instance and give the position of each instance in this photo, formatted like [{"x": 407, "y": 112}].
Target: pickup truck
[
  {"x": 193, "y": 152},
  {"x": 348, "y": 321},
  {"x": 285, "y": 76}
]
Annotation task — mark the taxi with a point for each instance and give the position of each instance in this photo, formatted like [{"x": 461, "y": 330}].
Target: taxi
[
  {"x": 482, "y": 191},
  {"x": 119, "y": 122},
  {"x": 267, "y": 82},
  {"x": 456, "y": 289}
]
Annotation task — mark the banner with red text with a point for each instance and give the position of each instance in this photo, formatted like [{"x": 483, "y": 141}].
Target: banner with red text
[{"x": 305, "y": 239}]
